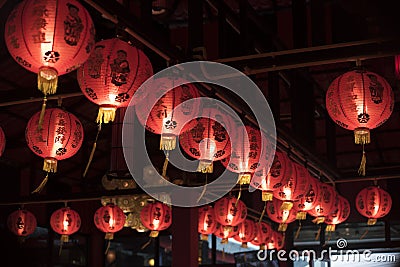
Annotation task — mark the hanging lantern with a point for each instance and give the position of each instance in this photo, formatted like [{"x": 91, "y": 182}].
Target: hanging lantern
[
  {"x": 276, "y": 177},
  {"x": 49, "y": 38},
  {"x": 165, "y": 117},
  {"x": 225, "y": 232},
  {"x": 263, "y": 234},
  {"x": 339, "y": 215},
  {"x": 277, "y": 241},
  {"x": 206, "y": 138},
  {"x": 112, "y": 74},
  {"x": 207, "y": 223},
  {"x": 397, "y": 65},
  {"x": 230, "y": 211},
  {"x": 156, "y": 217},
  {"x": 2, "y": 141},
  {"x": 373, "y": 202},
  {"x": 295, "y": 188},
  {"x": 245, "y": 154},
  {"x": 326, "y": 201},
  {"x": 109, "y": 219},
  {"x": 360, "y": 100},
  {"x": 21, "y": 222},
  {"x": 65, "y": 222},
  {"x": 246, "y": 232},
  {"x": 278, "y": 215},
  {"x": 309, "y": 200}
]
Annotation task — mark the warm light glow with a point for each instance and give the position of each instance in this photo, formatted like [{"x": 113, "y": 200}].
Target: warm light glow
[
  {"x": 156, "y": 224},
  {"x": 65, "y": 224},
  {"x": 241, "y": 235},
  {"x": 151, "y": 262},
  {"x": 287, "y": 192},
  {"x": 111, "y": 222},
  {"x": 205, "y": 226},
  {"x": 207, "y": 148},
  {"x": 285, "y": 215},
  {"x": 111, "y": 97},
  {"x": 229, "y": 217}
]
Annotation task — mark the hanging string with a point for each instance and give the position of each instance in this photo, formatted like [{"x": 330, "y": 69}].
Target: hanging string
[
  {"x": 263, "y": 212},
  {"x": 42, "y": 185},
  {"x": 204, "y": 189},
  {"x": 93, "y": 150},
  {"x": 42, "y": 112},
  {"x": 60, "y": 249},
  {"x": 298, "y": 231},
  {"x": 165, "y": 165},
  {"x": 145, "y": 245},
  {"x": 364, "y": 234},
  {"x": 239, "y": 195},
  {"x": 318, "y": 233},
  {"x": 108, "y": 247},
  {"x": 361, "y": 169}
]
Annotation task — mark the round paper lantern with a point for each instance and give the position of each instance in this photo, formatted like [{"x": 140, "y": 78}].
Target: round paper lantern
[
  {"x": 171, "y": 110},
  {"x": 230, "y": 211},
  {"x": 277, "y": 241},
  {"x": 295, "y": 187},
  {"x": 326, "y": 201},
  {"x": 207, "y": 223},
  {"x": 156, "y": 217},
  {"x": 309, "y": 200},
  {"x": 373, "y": 202},
  {"x": 278, "y": 215},
  {"x": 65, "y": 221},
  {"x": 208, "y": 139},
  {"x": 50, "y": 38},
  {"x": 263, "y": 234},
  {"x": 21, "y": 222},
  {"x": 109, "y": 219},
  {"x": 246, "y": 232},
  {"x": 112, "y": 74},
  {"x": 245, "y": 154},
  {"x": 339, "y": 215},
  {"x": 225, "y": 232},
  {"x": 277, "y": 176},
  {"x": 2, "y": 141}
]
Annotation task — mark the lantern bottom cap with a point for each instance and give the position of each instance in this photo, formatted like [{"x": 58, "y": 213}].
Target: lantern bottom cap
[
  {"x": 64, "y": 238},
  {"x": 287, "y": 205},
  {"x": 372, "y": 221},
  {"x": 203, "y": 237},
  {"x": 244, "y": 178},
  {"x": 106, "y": 114},
  {"x": 244, "y": 245},
  {"x": 109, "y": 236},
  {"x": 50, "y": 164},
  {"x": 154, "y": 233},
  {"x": 267, "y": 196},
  {"x": 301, "y": 215},
  {"x": 205, "y": 166},
  {"x": 47, "y": 80},
  {"x": 362, "y": 136},
  {"x": 282, "y": 227},
  {"x": 167, "y": 142},
  {"x": 330, "y": 228}
]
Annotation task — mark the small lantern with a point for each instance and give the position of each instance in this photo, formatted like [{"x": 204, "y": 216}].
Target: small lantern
[
  {"x": 278, "y": 215},
  {"x": 225, "y": 232},
  {"x": 246, "y": 233},
  {"x": 326, "y": 202},
  {"x": 156, "y": 217},
  {"x": 277, "y": 241},
  {"x": 109, "y": 219},
  {"x": 339, "y": 215},
  {"x": 309, "y": 200},
  {"x": 207, "y": 223},
  {"x": 65, "y": 222},
  {"x": 373, "y": 202},
  {"x": 21, "y": 222},
  {"x": 230, "y": 211},
  {"x": 263, "y": 234}
]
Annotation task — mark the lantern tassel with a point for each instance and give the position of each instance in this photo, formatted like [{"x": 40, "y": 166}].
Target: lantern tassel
[
  {"x": 106, "y": 114},
  {"x": 108, "y": 246},
  {"x": 167, "y": 142},
  {"x": 296, "y": 236},
  {"x": 92, "y": 152},
  {"x": 330, "y": 228},
  {"x": 239, "y": 195},
  {"x": 371, "y": 221},
  {"x": 42, "y": 112},
  {"x": 205, "y": 166},
  {"x": 165, "y": 165},
  {"x": 263, "y": 212},
  {"x": 266, "y": 196},
  {"x": 47, "y": 80},
  {"x": 145, "y": 245},
  {"x": 204, "y": 237},
  {"x": 60, "y": 249},
  {"x": 42, "y": 185},
  {"x": 318, "y": 234},
  {"x": 364, "y": 234},
  {"x": 361, "y": 169},
  {"x": 50, "y": 165}
]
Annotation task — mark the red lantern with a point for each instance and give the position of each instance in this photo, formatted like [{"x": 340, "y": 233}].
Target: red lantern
[
  {"x": 246, "y": 232},
  {"x": 50, "y": 38},
  {"x": 277, "y": 241},
  {"x": 170, "y": 113},
  {"x": 207, "y": 223},
  {"x": 309, "y": 200},
  {"x": 397, "y": 66},
  {"x": 263, "y": 234},
  {"x": 230, "y": 211},
  {"x": 326, "y": 201},
  {"x": 225, "y": 231},
  {"x": 245, "y": 155},
  {"x": 156, "y": 217},
  {"x": 373, "y": 202},
  {"x": 277, "y": 176},
  {"x": 112, "y": 74},
  {"x": 65, "y": 222},
  {"x": 109, "y": 219},
  {"x": 295, "y": 188},
  {"x": 206, "y": 138},
  {"x": 2, "y": 142},
  {"x": 278, "y": 215},
  {"x": 21, "y": 222},
  {"x": 339, "y": 215}
]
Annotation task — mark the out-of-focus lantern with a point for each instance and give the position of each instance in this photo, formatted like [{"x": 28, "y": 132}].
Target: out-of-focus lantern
[
  {"x": 326, "y": 201},
  {"x": 278, "y": 215},
  {"x": 65, "y": 221},
  {"x": 207, "y": 223},
  {"x": 373, "y": 202},
  {"x": 277, "y": 241},
  {"x": 112, "y": 74},
  {"x": 109, "y": 219},
  {"x": 225, "y": 232},
  {"x": 156, "y": 217},
  {"x": 309, "y": 200},
  {"x": 339, "y": 215},
  {"x": 230, "y": 211},
  {"x": 21, "y": 222},
  {"x": 360, "y": 101},
  {"x": 263, "y": 234},
  {"x": 2, "y": 141},
  {"x": 246, "y": 232}
]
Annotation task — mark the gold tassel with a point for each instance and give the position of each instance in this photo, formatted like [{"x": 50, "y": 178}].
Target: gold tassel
[
  {"x": 106, "y": 114},
  {"x": 244, "y": 178},
  {"x": 42, "y": 185},
  {"x": 108, "y": 246},
  {"x": 318, "y": 234},
  {"x": 298, "y": 231},
  {"x": 319, "y": 220},
  {"x": 371, "y": 221},
  {"x": 50, "y": 165},
  {"x": 362, "y": 136},
  {"x": 287, "y": 205},
  {"x": 266, "y": 196},
  {"x": 167, "y": 142},
  {"x": 361, "y": 169},
  {"x": 204, "y": 237},
  {"x": 145, "y": 245},
  {"x": 331, "y": 228},
  {"x": 93, "y": 150},
  {"x": 282, "y": 227},
  {"x": 205, "y": 166},
  {"x": 301, "y": 215},
  {"x": 42, "y": 112},
  {"x": 165, "y": 165},
  {"x": 61, "y": 245},
  {"x": 47, "y": 80},
  {"x": 239, "y": 195},
  {"x": 263, "y": 212},
  {"x": 244, "y": 245},
  {"x": 153, "y": 234}
]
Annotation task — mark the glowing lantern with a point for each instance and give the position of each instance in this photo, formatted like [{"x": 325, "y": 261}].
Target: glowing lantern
[
  {"x": 65, "y": 222},
  {"x": 230, "y": 211},
  {"x": 50, "y": 38},
  {"x": 207, "y": 223},
  {"x": 225, "y": 232},
  {"x": 109, "y": 219},
  {"x": 339, "y": 215},
  {"x": 295, "y": 187},
  {"x": 156, "y": 217},
  {"x": 326, "y": 201},
  {"x": 397, "y": 66},
  {"x": 277, "y": 241},
  {"x": 360, "y": 100},
  {"x": 278, "y": 215},
  {"x": 373, "y": 202},
  {"x": 246, "y": 232},
  {"x": 112, "y": 74},
  {"x": 2, "y": 142},
  {"x": 309, "y": 200},
  {"x": 21, "y": 222},
  {"x": 245, "y": 154},
  {"x": 263, "y": 234},
  {"x": 171, "y": 111}
]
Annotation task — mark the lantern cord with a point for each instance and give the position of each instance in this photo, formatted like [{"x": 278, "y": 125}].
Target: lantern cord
[
  {"x": 165, "y": 166},
  {"x": 296, "y": 236},
  {"x": 61, "y": 245},
  {"x": 364, "y": 234},
  {"x": 239, "y": 194},
  {"x": 204, "y": 189},
  {"x": 93, "y": 150},
  {"x": 145, "y": 245},
  {"x": 42, "y": 184},
  {"x": 318, "y": 233},
  {"x": 263, "y": 212},
  {"x": 108, "y": 247},
  {"x": 42, "y": 112},
  {"x": 361, "y": 170}
]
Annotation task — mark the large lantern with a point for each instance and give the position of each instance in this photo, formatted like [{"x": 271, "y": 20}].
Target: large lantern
[
  {"x": 278, "y": 215},
  {"x": 156, "y": 217},
  {"x": 339, "y": 215},
  {"x": 230, "y": 211},
  {"x": 65, "y": 221},
  {"x": 225, "y": 232},
  {"x": 109, "y": 219},
  {"x": 360, "y": 100},
  {"x": 263, "y": 234},
  {"x": 50, "y": 38},
  {"x": 2, "y": 141},
  {"x": 373, "y": 202},
  {"x": 172, "y": 108},
  {"x": 21, "y": 222},
  {"x": 245, "y": 154},
  {"x": 207, "y": 139},
  {"x": 207, "y": 223},
  {"x": 326, "y": 202},
  {"x": 112, "y": 74},
  {"x": 246, "y": 232},
  {"x": 309, "y": 200}
]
